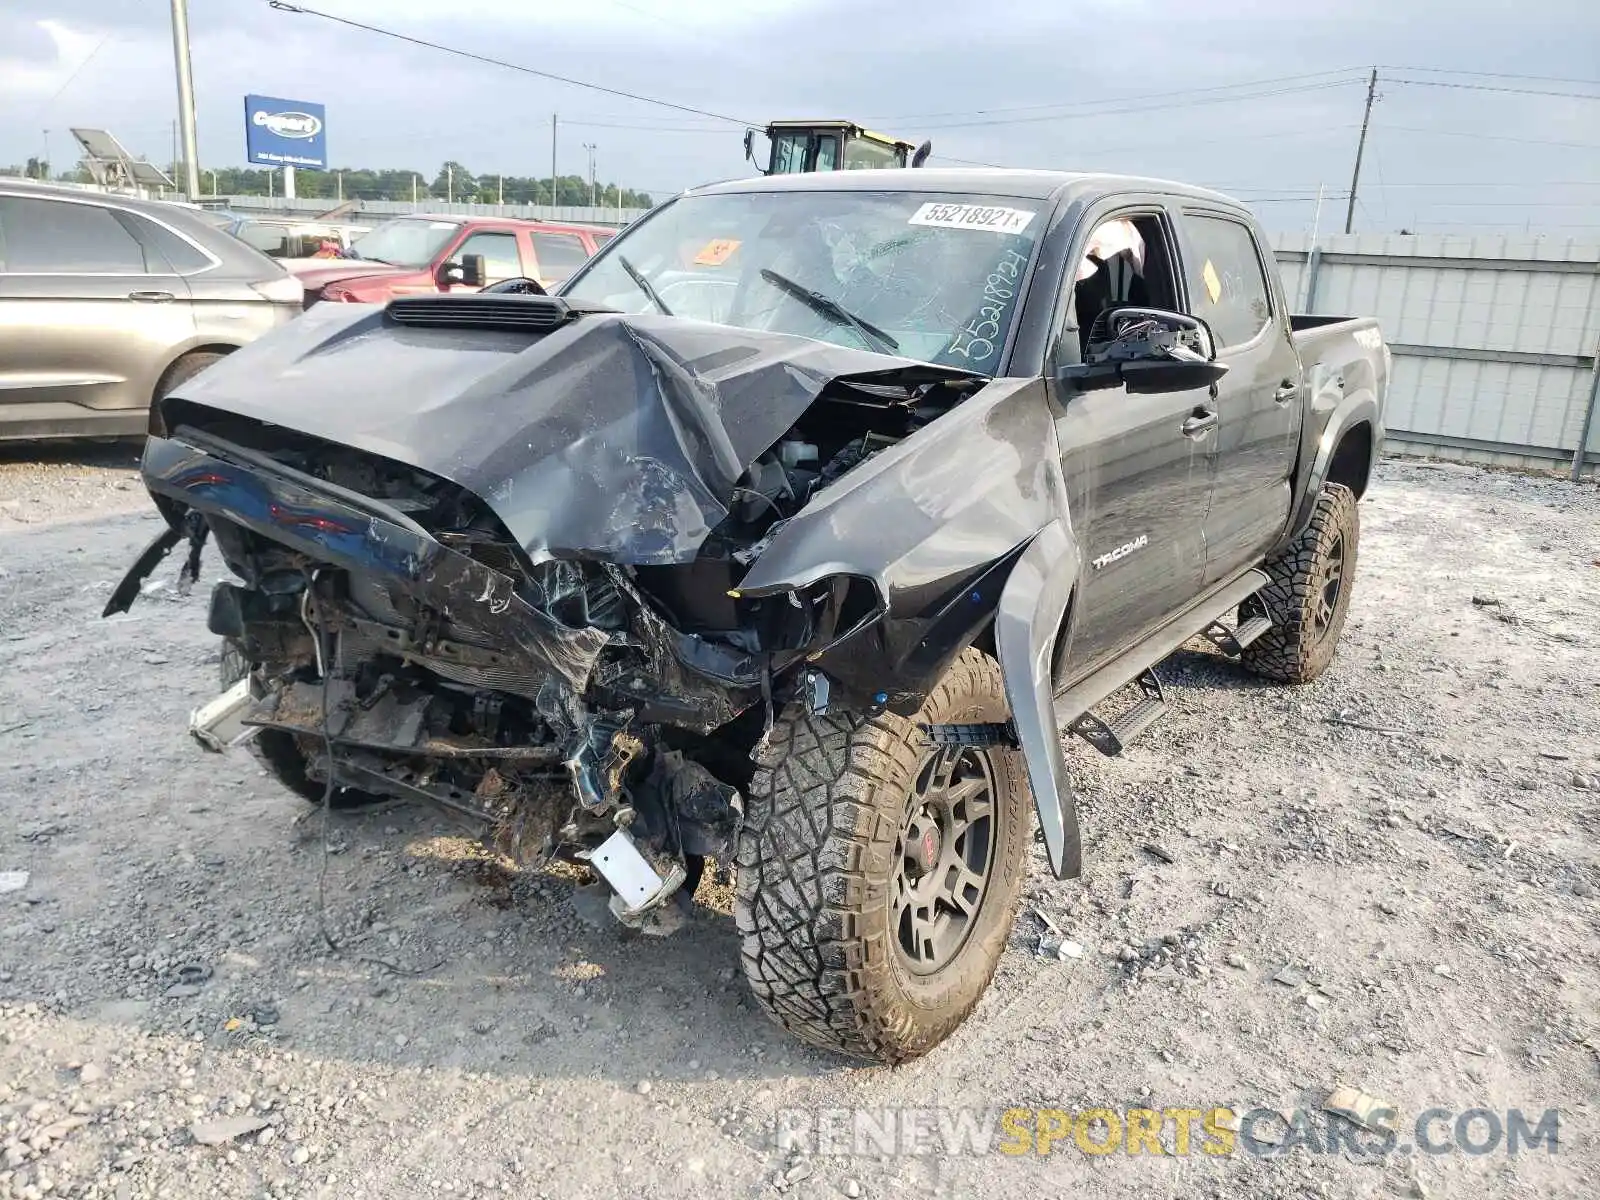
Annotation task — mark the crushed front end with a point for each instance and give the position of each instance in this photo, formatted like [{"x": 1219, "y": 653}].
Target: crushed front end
[{"x": 589, "y": 687}]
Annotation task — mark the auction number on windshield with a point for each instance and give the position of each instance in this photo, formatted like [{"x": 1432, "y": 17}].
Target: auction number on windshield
[
  {"x": 987, "y": 217},
  {"x": 979, "y": 340}
]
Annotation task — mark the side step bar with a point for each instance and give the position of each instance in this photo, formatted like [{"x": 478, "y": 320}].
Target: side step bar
[
  {"x": 1232, "y": 642},
  {"x": 1111, "y": 737},
  {"x": 1086, "y": 693}
]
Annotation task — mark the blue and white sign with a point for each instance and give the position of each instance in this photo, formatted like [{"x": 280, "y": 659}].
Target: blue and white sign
[{"x": 285, "y": 133}]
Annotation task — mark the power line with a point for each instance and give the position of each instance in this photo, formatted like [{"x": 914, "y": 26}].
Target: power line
[
  {"x": 1491, "y": 75},
  {"x": 76, "y": 71},
  {"x": 284, "y": 6},
  {"x": 1485, "y": 87},
  {"x": 1491, "y": 137},
  {"x": 646, "y": 128},
  {"x": 1117, "y": 99},
  {"x": 1110, "y": 112}
]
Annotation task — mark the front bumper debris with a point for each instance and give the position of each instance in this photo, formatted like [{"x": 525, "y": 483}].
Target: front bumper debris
[
  {"x": 220, "y": 723},
  {"x": 639, "y": 888}
]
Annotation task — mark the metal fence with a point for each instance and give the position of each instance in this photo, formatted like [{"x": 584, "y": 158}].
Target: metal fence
[
  {"x": 1495, "y": 338},
  {"x": 374, "y": 210}
]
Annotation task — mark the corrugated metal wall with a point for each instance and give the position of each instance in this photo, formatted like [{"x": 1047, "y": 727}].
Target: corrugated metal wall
[{"x": 1494, "y": 337}]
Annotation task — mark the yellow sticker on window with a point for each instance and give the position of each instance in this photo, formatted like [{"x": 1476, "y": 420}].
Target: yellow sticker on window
[
  {"x": 716, "y": 252},
  {"x": 1213, "y": 282}
]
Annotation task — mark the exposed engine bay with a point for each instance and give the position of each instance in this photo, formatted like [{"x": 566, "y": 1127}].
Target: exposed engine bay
[{"x": 588, "y": 685}]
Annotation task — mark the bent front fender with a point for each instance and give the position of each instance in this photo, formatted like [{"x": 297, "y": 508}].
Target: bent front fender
[{"x": 1027, "y": 622}]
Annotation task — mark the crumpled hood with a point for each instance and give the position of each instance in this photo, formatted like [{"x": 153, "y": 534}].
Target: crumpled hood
[{"x": 612, "y": 437}]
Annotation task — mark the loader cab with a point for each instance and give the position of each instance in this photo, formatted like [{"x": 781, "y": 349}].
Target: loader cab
[{"x": 796, "y": 147}]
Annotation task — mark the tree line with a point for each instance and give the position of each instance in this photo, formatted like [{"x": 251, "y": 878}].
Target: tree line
[{"x": 452, "y": 181}]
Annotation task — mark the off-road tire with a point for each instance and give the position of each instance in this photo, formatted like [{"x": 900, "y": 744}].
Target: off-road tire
[
  {"x": 1298, "y": 647},
  {"x": 816, "y": 871},
  {"x": 279, "y": 752}
]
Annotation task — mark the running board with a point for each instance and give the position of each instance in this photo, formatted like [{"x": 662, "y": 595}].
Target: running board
[
  {"x": 1088, "y": 692},
  {"x": 1232, "y": 642},
  {"x": 1112, "y": 737}
]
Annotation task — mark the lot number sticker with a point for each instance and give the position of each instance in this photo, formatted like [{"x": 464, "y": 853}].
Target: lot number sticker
[
  {"x": 716, "y": 252},
  {"x": 972, "y": 216}
]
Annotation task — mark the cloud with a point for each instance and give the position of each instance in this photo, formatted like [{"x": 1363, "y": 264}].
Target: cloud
[{"x": 926, "y": 69}]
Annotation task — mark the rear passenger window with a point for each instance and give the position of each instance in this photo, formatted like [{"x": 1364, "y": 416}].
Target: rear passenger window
[
  {"x": 499, "y": 251},
  {"x": 559, "y": 255},
  {"x": 1227, "y": 283},
  {"x": 165, "y": 250},
  {"x": 60, "y": 237}
]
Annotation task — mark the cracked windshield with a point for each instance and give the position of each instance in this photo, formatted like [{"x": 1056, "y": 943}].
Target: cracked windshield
[{"x": 926, "y": 276}]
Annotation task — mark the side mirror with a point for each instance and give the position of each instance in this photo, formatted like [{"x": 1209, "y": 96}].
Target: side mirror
[
  {"x": 1146, "y": 350},
  {"x": 750, "y": 145},
  {"x": 468, "y": 272},
  {"x": 921, "y": 155}
]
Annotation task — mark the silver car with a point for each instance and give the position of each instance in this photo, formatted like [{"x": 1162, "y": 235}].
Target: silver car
[{"x": 107, "y": 302}]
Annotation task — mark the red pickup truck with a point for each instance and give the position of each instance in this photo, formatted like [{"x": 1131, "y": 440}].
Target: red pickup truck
[{"x": 410, "y": 255}]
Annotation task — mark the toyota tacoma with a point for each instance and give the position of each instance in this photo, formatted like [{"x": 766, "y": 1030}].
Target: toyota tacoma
[{"x": 794, "y": 533}]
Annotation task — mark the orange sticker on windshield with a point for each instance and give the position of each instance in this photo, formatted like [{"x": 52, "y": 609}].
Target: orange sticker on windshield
[
  {"x": 716, "y": 252},
  {"x": 1213, "y": 282}
]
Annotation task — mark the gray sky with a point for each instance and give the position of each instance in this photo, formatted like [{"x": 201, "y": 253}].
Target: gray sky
[{"x": 1443, "y": 159}]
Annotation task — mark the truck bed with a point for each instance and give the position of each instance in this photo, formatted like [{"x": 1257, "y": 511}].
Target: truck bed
[{"x": 1328, "y": 346}]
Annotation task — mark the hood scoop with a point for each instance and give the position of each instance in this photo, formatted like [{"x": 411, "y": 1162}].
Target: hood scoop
[{"x": 486, "y": 310}]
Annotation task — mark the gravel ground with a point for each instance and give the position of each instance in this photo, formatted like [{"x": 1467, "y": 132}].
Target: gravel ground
[{"x": 1386, "y": 880}]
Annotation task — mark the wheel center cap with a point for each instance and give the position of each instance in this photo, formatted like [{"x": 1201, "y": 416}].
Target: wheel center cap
[{"x": 922, "y": 847}]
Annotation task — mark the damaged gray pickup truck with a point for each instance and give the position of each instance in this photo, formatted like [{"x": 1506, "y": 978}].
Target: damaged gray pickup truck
[{"x": 793, "y": 533}]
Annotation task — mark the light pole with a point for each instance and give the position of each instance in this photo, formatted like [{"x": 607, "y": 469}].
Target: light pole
[
  {"x": 591, "y": 148},
  {"x": 180, "y": 54}
]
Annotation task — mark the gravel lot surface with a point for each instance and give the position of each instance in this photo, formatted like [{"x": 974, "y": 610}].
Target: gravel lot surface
[{"x": 1386, "y": 880}]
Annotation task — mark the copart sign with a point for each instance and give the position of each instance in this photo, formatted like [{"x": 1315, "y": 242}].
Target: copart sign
[{"x": 285, "y": 133}]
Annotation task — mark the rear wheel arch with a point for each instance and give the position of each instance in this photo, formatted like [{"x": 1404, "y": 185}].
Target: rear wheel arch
[{"x": 1351, "y": 463}]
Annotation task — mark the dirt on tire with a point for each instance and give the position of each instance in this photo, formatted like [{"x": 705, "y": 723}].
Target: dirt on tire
[
  {"x": 817, "y": 862},
  {"x": 1297, "y": 648}
]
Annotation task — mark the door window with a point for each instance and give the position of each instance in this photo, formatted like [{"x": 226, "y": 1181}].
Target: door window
[
  {"x": 865, "y": 154},
  {"x": 559, "y": 255},
  {"x": 1125, "y": 263},
  {"x": 789, "y": 153},
  {"x": 58, "y": 237},
  {"x": 499, "y": 250},
  {"x": 1227, "y": 283},
  {"x": 827, "y": 153}
]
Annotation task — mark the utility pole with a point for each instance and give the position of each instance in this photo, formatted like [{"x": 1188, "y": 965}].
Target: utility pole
[
  {"x": 553, "y": 119},
  {"x": 591, "y": 147},
  {"x": 1361, "y": 145},
  {"x": 449, "y": 183},
  {"x": 180, "y": 54},
  {"x": 47, "y": 155}
]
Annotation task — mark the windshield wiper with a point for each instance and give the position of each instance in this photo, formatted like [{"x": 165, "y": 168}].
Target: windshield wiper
[
  {"x": 829, "y": 307},
  {"x": 644, "y": 285}
]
